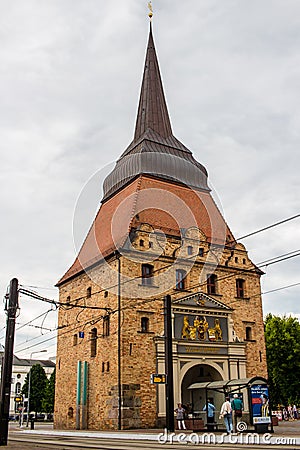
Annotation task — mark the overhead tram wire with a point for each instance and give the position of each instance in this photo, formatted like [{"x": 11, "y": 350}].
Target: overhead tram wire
[
  {"x": 72, "y": 330},
  {"x": 93, "y": 321},
  {"x": 162, "y": 268},
  {"x": 71, "y": 305},
  {"x": 170, "y": 264},
  {"x": 268, "y": 227}
]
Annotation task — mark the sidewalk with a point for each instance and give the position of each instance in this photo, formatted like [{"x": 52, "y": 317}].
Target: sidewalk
[{"x": 284, "y": 429}]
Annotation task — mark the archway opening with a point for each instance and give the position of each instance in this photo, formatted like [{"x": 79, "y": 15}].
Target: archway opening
[{"x": 195, "y": 399}]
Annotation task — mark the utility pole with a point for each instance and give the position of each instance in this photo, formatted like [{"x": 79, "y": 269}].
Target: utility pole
[
  {"x": 8, "y": 360},
  {"x": 169, "y": 365}
]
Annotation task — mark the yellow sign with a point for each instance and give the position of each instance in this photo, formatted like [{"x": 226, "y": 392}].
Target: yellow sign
[{"x": 158, "y": 378}]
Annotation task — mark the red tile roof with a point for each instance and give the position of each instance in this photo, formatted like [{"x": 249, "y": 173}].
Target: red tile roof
[{"x": 166, "y": 206}]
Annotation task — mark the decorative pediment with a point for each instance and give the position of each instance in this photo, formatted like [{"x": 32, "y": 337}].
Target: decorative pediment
[{"x": 201, "y": 300}]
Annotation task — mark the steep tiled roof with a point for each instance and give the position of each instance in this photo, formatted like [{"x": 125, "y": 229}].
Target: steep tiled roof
[{"x": 165, "y": 206}]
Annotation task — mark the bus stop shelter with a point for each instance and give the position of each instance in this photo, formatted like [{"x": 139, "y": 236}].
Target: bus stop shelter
[{"x": 256, "y": 388}]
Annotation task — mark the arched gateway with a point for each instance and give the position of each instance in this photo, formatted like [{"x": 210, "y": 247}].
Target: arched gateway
[{"x": 205, "y": 349}]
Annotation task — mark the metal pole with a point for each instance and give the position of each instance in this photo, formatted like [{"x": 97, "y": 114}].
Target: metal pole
[
  {"x": 28, "y": 393},
  {"x": 8, "y": 360},
  {"x": 169, "y": 365},
  {"x": 119, "y": 345}
]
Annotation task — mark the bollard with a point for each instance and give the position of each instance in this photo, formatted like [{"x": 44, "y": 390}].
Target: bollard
[{"x": 32, "y": 424}]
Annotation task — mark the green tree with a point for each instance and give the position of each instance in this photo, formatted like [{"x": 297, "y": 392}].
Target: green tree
[
  {"x": 48, "y": 401},
  {"x": 38, "y": 383},
  {"x": 283, "y": 358}
]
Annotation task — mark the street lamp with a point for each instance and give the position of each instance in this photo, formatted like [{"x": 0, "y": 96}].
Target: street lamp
[{"x": 29, "y": 384}]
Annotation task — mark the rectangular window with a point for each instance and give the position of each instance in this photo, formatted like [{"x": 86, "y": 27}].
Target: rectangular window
[
  {"x": 248, "y": 333},
  {"x": 212, "y": 284},
  {"x": 180, "y": 279},
  {"x": 106, "y": 326},
  {"x": 147, "y": 274},
  {"x": 190, "y": 250},
  {"x": 144, "y": 324},
  {"x": 93, "y": 340},
  {"x": 240, "y": 288},
  {"x": 201, "y": 251}
]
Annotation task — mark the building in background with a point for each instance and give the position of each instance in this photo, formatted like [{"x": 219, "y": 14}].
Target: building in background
[
  {"x": 20, "y": 369},
  {"x": 158, "y": 231}
]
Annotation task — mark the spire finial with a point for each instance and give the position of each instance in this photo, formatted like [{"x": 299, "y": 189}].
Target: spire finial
[{"x": 150, "y": 10}]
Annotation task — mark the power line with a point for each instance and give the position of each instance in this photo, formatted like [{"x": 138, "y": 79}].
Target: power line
[
  {"x": 72, "y": 305},
  {"x": 127, "y": 307},
  {"x": 268, "y": 227},
  {"x": 280, "y": 256},
  {"x": 281, "y": 288}
]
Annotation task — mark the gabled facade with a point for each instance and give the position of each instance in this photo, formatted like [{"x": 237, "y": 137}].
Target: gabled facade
[{"x": 158, "y": 231}]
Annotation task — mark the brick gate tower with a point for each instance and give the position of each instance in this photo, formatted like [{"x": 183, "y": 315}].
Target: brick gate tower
[{"x": 158, "y": 231}]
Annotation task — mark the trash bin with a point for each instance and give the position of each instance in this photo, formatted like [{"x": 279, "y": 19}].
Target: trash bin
[
  {"x": 261, "y": 428},
  {"x": 32, "y": 424}
]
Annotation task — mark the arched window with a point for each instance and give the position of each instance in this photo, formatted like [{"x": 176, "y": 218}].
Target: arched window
[
  {"x": 144, "y": 324},
  {"x": 212, "y": 284},
  {"x": 190, "y": 250},
  {"x": 180, "y": 279},
  {"x": 93, "y": 341},
  {"x": 18, "y": 388}
]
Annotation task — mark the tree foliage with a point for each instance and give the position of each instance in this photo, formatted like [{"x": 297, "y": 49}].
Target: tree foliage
[
  {"x": 38, "y": 384},
  {"x": 48, "y": 400},
  {"x": 283, "y": 358}
]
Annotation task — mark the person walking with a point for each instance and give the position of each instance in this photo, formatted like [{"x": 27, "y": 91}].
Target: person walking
[
  {"x": 226, "y": 415},
  {"x": 237, "y": 411},
  {"x": 210, "y": 413},
  {"x": 180, "y": 416}
]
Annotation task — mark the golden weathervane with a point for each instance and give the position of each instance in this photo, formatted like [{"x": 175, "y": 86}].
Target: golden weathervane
[{"x": 150, "y": 10}]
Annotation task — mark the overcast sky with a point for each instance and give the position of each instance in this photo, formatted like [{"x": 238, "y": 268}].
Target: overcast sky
[{"x": 70, "y": 75}]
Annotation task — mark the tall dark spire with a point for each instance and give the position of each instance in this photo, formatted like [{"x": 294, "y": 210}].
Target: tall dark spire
[
  {"x": 154, "y": 151},
  {"x": 152, "y": 112}
]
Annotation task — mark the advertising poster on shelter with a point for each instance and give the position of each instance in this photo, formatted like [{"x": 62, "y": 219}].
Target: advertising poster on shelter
[{"x": 260, "y": 404}]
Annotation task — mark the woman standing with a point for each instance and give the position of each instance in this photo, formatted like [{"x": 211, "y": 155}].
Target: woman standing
[{"x": 180, "y": 416}]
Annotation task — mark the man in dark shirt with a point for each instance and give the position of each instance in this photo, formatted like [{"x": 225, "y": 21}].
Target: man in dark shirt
[{"x": 237, "y": 407}]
